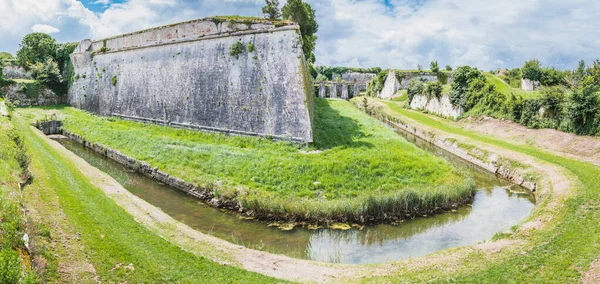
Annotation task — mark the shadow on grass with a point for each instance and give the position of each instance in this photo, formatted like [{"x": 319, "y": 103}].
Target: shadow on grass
[{"x": 332, "y": 129}]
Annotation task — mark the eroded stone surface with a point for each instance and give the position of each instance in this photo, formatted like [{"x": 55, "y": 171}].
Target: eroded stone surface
[{"x": 184, "y": 75}]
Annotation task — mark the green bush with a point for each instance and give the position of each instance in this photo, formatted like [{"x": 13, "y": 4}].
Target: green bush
[
  {"x": 462, "y": 78},
  {"x": 236, "y": 49},
  {"x": 114, "y": 80},
  {"x": 415, "y": 87},
  {"x": 250, "y": 47},
  {"x": 433, "y": 90},
  {"x": 10, "y": 265}
]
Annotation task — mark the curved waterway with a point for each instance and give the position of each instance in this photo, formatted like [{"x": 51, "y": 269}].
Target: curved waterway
[{"x": 497, "y": 206}]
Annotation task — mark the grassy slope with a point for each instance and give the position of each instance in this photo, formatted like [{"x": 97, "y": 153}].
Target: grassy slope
[
  {"x": 111, "y": 236},
  {"x": 360, "y": 157},
  {"x": 505, "y": 89},
  {"x": 559, "y": 254}
]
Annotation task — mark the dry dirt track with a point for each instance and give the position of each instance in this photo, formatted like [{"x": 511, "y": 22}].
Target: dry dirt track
[{"x": 308, "y": 271}]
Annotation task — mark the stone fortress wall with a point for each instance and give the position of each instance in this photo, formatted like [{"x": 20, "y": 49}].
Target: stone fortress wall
[{"x": 183, "y": 75}]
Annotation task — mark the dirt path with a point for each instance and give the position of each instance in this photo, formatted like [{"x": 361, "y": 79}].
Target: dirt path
[{"x": 556, "y": 180}]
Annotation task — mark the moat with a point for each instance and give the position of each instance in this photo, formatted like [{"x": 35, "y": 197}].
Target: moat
[{"x": 497, "y": 206}]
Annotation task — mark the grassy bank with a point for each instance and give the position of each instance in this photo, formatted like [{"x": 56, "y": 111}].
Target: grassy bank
[
  {"x": 24, "y": 254},
  {"x": 356, "y": 169},
  {"x": 119, "y": 248},
  {"x": 507, "y": 90},
  {"x": 559, "y": 254}
]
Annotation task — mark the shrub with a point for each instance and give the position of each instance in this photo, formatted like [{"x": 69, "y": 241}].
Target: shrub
[
  {"x": 583, "y": 109},
  {"x": 552, "y": 77},
  {"x": 442, "y": 77},
  {"x": 415, "y": 87},
  {"x": 10, "y": 265},
  {"x": 236, "y": 49},
  {"x": 114, "y": 80},
  {"x": 433, "y": 65},
  {"x": 553, "y": 100},
  {"x": 250, "y": 47},
  {"x": 433, "y": 89}
]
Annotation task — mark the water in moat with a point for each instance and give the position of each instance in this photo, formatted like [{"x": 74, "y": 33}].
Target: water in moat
[{"x": 495, "y": 208}]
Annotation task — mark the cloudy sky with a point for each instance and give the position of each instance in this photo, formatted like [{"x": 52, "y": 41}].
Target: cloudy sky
[{"x": 386, "y": 33}]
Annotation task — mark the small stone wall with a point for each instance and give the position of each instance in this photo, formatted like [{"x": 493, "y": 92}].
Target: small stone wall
[{"x": 441, "y": 107}]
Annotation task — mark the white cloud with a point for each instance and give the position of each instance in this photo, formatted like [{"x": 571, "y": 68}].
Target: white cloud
[
  {"x": 365, "y": 33},
  {"x": 47, "y": 29},
  {"x": 102, "y": 2}
]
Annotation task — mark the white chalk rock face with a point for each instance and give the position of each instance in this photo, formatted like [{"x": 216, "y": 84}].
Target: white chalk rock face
[
  {"x": 441, "y": 106},
  {"x": 529, "y": 85},
  {"x": 390, "y": 87},
  {"x": 183, "y": 75}
]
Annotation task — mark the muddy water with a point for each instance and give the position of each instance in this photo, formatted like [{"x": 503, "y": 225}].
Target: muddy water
[{"x": 495, "y": 209}]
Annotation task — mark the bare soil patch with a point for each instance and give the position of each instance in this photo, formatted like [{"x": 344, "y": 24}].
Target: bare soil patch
[{"x": 584, "y": 148}]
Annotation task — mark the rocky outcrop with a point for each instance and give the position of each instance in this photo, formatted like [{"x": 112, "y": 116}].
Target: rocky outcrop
[
  {"x": 31, "y": 94},
  {"x": 438, "y": 106},
  {"x": 246, "y": 78},
  {"x": 390, "y": 87},
  {"x": 15, "y": 72},
  {"x": 529, "y": 85},
  {"x": 356, "y": 77}
]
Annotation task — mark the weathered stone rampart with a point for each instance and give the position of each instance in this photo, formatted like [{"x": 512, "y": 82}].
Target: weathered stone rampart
[{"x": 184, "y": 75}]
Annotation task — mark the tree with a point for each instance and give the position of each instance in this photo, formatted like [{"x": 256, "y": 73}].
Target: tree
[
  {"x": 532, "y": 70},
  {"x": 448, "y": 68},
  {"x": 583, "y": 107},
  {"x": 46, "y": 72},
  {"x": 271, "y": 10},
  {"x": 434, "y": 66},
  {"x": 462, "y": 78},
  {"x": 304, "y": 15},
  {"x": 35, "y": 48},
  {"x": 6, "y": 56}
]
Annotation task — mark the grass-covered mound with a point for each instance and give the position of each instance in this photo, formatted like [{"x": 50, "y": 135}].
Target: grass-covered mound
[{"x": 357, "y": 170}]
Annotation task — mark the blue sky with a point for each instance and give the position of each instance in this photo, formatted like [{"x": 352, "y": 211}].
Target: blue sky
[{"x": 358, "y": 33}]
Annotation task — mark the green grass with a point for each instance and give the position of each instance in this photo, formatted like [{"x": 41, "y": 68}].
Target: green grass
[
  {"x": 505, "y": 89},
  {"x": 24, "y": 81},
  {"x": 15, "y": 260},
  {"x": 356, "y": 168},
  {"x": 111, "y": 236},
  {"x": 560, "y": 253}
]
